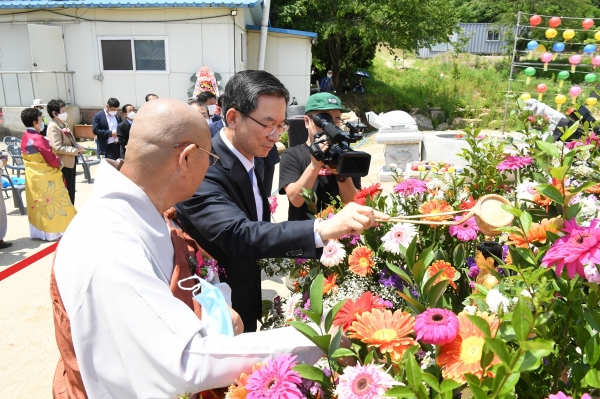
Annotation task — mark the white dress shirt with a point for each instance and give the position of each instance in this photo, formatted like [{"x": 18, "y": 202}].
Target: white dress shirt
[
  {"x": 112, "y": 125},
  {"x": 132, "y": 337}
]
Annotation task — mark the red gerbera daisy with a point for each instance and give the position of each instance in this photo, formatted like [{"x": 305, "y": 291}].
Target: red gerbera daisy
[
  {"x": 349, "y": 312},
  {"x": 371, "y": 192},
  {"x": 470, "y": 203}
]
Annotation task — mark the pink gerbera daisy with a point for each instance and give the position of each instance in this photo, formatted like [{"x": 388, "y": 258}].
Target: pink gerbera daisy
[
  {"x": 580, "y": 246},
  {"x": 411, "y": 187},
  {"x": 400, "y": 234},
  {"x": 275, "y": 380},
  {"x": 333, "y": 253},
  {"x": 465, "y": 231},
  {"x": 436, "y": 326},
  {"x": 364, "y": 382},
  {"x": 514, "y": 162}
]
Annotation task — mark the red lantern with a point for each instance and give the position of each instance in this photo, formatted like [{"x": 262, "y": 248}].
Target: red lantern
[
  {"x": 587, "y": 23},
  {"x": 541, "y": 89},
  {"x": 536, "y": 20},
  {"x": 554, "y": 22}
]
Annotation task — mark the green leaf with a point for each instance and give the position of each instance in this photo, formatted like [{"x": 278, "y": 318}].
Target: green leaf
[
  {"x": 529, "y": 362},
  {"x": 427, "y": 256},
  {"x": 472, "y": 380},
  {"x": 415, "y": 305},
  {"x": 413, "y": 373},
  {"x": 592, "y": 350},
  {"x": 548, "y": 148},
  {"x": 458, "y": 256},
  {"x": 498, "y": 346},
  {"x": 332, "y": 313},
  {"x": 593, "y": 378},
  {"x": 322, "y": 341},
  {"x": 551, "y": 192},
  {"x": 432, "y": 381},
  {"x": 522, "y": 320},
  {"x": 483, "y": 325},
  {"x": 400, "y": 273},
  {"x": 312, "y": 315},
  {"x": 500, "y": 374},
  {"x": 526, "y": 221},
  {"x": 418, "y": 272},
  {"x": 343, "y": 352},
  {"x": 316, "y": 297},
  {"x": 512, "y": 210},
  {"x": 478, "y": 393},
  {"x": 559, "y": 172},
  {"x": 509, "y": 383},
  {"x": 400, "y": 392},
  {"x": 304, "y": 328},
  {"x": 369, "y": 358},
  {"x": 430, "y": 282},
  {"x": 312, "y": 373},
  {"x": 410, "y": 253},
  {"x": 487, "y": 356},
  {"x": 335, "y": 342},
  {"x": 538, "y": 347},
  {"x": 436, "y": 293},
  {"x": 448, "y": 385}
]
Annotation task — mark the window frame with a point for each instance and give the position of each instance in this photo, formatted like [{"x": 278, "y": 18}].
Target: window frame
[
  {"x": 494, "y": 33},
  {"x": 132, "y": 40}
]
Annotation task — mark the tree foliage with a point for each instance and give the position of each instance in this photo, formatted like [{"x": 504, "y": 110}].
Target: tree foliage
[{"x": 351, "y": 30}]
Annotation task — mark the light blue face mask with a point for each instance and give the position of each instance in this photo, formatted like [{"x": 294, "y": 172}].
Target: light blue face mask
[{"x": 215, "y": 310}]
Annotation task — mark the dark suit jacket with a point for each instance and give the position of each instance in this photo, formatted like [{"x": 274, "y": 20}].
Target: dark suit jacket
[
  {"x": 100, "y": 129},
  {"x": 123, "y": 135},
  {"x": 221, "y": 217}
]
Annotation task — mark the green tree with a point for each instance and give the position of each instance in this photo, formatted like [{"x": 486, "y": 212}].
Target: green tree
[{"x": 351, "y": 30}]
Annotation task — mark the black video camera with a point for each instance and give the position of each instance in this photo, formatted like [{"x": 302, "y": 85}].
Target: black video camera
[
  {"x": 339, "y": 156},
  {"x": 582, "y": 115}
]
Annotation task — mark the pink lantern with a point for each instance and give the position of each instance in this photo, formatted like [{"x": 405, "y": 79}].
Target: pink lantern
[
  {"x": 546, "y": 58},
  {"x": 541, "y": 89},
  {"x": 587, "y": 23},
  {"x": 574, "y": 60},
  {"x": 574, "y": 91},
  {"x": 596, "y": 61}
]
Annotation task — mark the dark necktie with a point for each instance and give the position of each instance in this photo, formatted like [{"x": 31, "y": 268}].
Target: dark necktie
[{"x": 251, "y": 176}]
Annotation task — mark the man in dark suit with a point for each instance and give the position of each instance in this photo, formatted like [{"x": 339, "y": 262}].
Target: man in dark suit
[
  {"x": 229, "y": 213},
  {"x": 104, "y": 126},
  {"x": 124, "y": 127}
]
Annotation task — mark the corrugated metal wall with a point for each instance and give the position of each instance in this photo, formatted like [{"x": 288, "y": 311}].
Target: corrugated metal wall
[{"x": 478, "y": 44}]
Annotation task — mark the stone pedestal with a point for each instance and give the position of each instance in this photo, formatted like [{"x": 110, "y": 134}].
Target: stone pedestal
[{"x": 401, "y": 147}]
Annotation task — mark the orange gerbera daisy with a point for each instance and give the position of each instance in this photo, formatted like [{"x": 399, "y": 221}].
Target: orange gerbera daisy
[
  {"x": 463, "y": 355},
  {"x": 325, "y": 212},
  {"x": 537, "y": 233},
  {"x": 448, "y": 274},
  {"x": 594, "y": 189},
  {"x": 361, "y": 261},
  {"x": 433, "y": 207},
  {"x": 545, "y": 202},
  {"x": 386, "y": 331},
  {"x": 352, "y": 309},
  {"x": 329, "y": 283},
  {"x": 238, "y": 390}
]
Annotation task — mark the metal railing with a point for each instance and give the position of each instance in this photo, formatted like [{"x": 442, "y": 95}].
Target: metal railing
[{"x": 67, "y": 86}]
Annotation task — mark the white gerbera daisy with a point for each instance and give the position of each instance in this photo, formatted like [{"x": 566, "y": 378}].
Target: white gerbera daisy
[
  {"x": 400, "y": 234},
  {"x": 333, "y": 253}
]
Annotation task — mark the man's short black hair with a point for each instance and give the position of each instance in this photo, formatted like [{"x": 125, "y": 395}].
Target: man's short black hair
[
  {"x": 205, "y": 96},
  {"x": 124, "y": 109},
  {"x": 150, "y": 95},
  {"x": 54, "y": 106},
  {"x": 243, "y": 89},
  {"x": 30, "y": 115},
  {"x": 113, "y": 102},
  {"x": 220, "y": 101}
]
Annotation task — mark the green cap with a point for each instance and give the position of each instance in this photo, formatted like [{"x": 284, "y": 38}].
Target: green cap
[{"x": 324, "y": 102}]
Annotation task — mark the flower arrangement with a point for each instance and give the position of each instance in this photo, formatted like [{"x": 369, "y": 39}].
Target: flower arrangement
[{"x": 206, "y": 81}]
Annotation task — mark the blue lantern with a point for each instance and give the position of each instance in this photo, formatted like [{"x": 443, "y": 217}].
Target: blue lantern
[
  {"x": 558, "y": 47},
  {"x": 532, "y": 45},
  {"x": 589, "y": 49}
]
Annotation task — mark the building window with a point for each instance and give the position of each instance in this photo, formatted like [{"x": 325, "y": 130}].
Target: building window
[
  {"x": 133, "y": 54},
  {"x": 493, "y": 35},
  {"x": 243, "y": 47}
]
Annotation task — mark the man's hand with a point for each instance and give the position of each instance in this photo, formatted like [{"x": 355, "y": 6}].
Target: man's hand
[
  {"x": 353, "y": 219},
  {"x": 236, "y": 320},
  {"x": 114, "y": 133}
]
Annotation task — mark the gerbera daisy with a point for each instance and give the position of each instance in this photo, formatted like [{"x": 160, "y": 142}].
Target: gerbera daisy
[
  {"x": 238, "y": 390},
  {"x": 467, "y": 204},
  {"x": 448, "y": 274},
  {"x": 333, "y": 253},
  {"x": 351, "y": 309},
  {"x": 514, "y": 163},
  {"x": 364, "y": 382},
  {"x": 465, "y": 231},
  {"x": 400, "y": 234},
  {"x": 390, "y": 332},
  {"x": 324, "y": 214},
  {"x": 361, "y": 261},
  {"x": 433, "y": 207},
  {"x": 537, "y": 233},
  {"x": 272, "y": 204},
  {"x": 275, "y": 380},
  {"x": 580, "y": 246},
  {"x": 436, "y": 326},
  {"x": 463, "y": 355},
  {"x": 368, "y": 192},
  {"x": 594, "y": 189},
  {"x": 545, "y": 202},
  {"x": 329, "y": 283},
  {"x": 411, "y": 187}
]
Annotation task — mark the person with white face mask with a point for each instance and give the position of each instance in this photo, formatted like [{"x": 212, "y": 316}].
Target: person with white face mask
[
  {"x": 209, "y": 98},
  {"x": 124, "y": 127},
  {"x": 327, "y": 83},
  {"x": 63, "y": 143},
  {"x": 104, "y": 126}
]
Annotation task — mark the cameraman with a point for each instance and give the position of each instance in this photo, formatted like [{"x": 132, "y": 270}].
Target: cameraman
[{"x": 300, "y": 169}]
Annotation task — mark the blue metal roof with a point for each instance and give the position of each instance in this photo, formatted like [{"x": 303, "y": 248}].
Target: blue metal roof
[
  {"x": 284, "y": 31},
  {"x": 34, "y": 4}
]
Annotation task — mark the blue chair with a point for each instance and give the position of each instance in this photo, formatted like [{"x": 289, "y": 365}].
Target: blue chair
[
  {"x": 16, "y": 190},
  {"x": 17, "y": 159}
]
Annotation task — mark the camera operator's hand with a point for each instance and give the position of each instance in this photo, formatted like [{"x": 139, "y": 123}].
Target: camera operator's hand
[
  {"x": 353, "y": 219},
  {"x": 319, "y": 164}
]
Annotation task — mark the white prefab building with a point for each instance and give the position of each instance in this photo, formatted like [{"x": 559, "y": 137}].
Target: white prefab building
[{"x": 86, "y": 51}]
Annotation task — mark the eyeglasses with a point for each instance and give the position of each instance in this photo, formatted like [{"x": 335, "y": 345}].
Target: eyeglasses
[
  {"x": 269, "y": 129},
  {"x": 214, "y": 157}
]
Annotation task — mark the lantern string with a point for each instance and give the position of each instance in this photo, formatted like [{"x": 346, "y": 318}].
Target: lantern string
[
  {"x": 568, "y": 66},
  {"x": 550, "y": 41},
  {"x": 552, "y": 16},
  {"x": 562, "y": 54},
  {"x": 592, "y": 30}
]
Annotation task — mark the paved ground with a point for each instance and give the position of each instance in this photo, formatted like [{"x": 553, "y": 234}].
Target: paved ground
[{"x": 27, "y": 342}]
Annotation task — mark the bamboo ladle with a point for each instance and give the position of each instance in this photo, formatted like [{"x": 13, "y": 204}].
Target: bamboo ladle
[{"x": 488, "y": 213}]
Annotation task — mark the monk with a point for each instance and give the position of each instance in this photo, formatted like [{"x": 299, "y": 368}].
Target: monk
[{"x": 120, "y": 331}]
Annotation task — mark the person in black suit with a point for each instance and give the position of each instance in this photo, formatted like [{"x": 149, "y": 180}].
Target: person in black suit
[
  {"x": 104, "y": 126},
  {"x": 124, "y": 127},
  {"x": 229, "y": 213}
]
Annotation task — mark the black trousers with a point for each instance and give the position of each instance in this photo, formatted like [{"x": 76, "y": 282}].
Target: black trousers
[
  {"x": 113, "y": 151},
  {"x": 69, "y": 174}
]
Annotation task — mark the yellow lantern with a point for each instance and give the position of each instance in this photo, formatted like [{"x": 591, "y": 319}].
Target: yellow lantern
[
  {"x": 560, "y": 100},
  {"x": 568, "y": 34},
  {"x": 597, "y": 36},
  {"x": 591, "y": 101},
  {"x": 551, "y": 33},
  {"x": 525, "y": 96}
]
